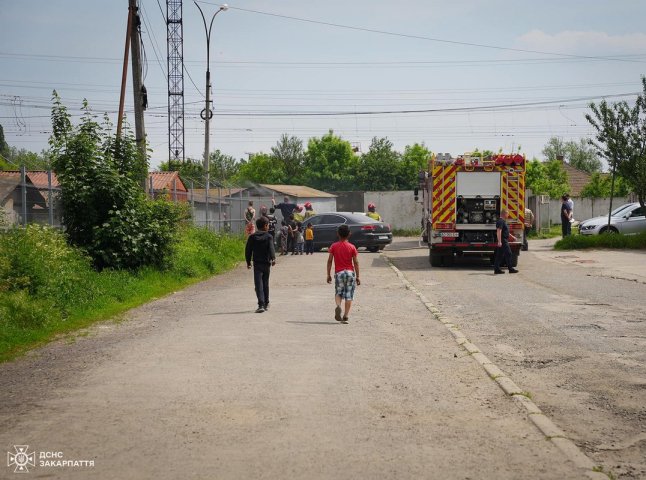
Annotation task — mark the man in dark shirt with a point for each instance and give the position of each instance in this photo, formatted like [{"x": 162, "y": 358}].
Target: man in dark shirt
[
  {"x": 260, "y": 249},
  {"x": 503, "y": 251},
  {"x": 566, "y": 216},
  {"x": 285, "y": 207}
]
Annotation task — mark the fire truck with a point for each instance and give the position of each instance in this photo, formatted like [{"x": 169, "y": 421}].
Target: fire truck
[{"x": 462, "y": 200}]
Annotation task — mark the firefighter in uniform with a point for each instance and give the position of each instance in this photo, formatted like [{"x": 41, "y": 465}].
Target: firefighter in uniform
[
  {"x": 372, "y": 213},
  {"x": 309, "y": 211}
]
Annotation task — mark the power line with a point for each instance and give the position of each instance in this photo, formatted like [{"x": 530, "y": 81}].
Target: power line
[{"x": 420, "y": 37}]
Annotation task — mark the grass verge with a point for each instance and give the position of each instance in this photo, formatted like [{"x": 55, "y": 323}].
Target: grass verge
[
  {"x": 553, "y": 232},
  {"x": 48, "y": 288},
  {"x": 605, "y": 240}
]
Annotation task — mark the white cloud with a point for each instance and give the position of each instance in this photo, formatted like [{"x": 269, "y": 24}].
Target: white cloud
[{"x": 584, "y": 42}]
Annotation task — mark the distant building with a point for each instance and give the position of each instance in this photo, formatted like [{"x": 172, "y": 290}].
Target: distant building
[{"x": 577, "y": 179}]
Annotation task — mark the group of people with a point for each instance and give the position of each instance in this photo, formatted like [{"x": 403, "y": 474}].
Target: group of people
[
  {"x": 296, "y": 234},
  {"x": 260, "y": 252}
]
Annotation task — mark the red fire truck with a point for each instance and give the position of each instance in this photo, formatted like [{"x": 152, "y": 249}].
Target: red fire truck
[{"x": 462, "y": 199}]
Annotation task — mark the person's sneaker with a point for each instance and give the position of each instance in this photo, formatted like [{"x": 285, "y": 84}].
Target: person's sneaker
[
  {"x": 513, "y": 270},
  {"x": 260, "y": 309},
  {"x": 345, "y": 320},
  {"x": 266, "y": 306},
  {"x": 337, "y": 314},
  {"x": 498, "y": 272}
]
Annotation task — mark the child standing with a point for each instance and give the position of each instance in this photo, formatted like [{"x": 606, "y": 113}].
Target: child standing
[
  {"x": 309, "y": 239},
  {"x": 346, "y": 272},
  {"x": 260, "y": 250},
  {"x": 284, "y": 232},
  {"x": 300, "y": 241}
]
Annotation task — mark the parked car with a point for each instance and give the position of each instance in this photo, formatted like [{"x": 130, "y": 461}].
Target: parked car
[
  {"x": 627, "y": 219},
  {"x": 364, "y": 231}
]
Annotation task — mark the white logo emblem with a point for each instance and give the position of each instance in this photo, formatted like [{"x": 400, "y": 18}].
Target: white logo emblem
[{"x": 21, "y": 458}]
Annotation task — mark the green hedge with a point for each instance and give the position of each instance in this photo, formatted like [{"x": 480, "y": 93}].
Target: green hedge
[
  {"x": 605, "y": 240},
  {"x": 48, "y": 287}
]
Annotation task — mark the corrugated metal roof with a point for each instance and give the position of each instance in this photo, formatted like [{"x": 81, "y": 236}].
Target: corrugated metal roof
[
  {"x": 164, "y": 180},
  {"x": 299, "y": 191}
]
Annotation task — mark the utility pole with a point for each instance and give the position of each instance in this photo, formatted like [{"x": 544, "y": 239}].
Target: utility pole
[
  {"x": 124, "y": 73},
  {"x": 207, "y": 113},
  {"x": 138, "y": 89}
]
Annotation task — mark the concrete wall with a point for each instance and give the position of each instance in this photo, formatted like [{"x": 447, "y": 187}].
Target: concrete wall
[
  {"x": 584, "y": 208},
  {"x": 402, "y": 212},
  {"x": 399, "y": 209}
]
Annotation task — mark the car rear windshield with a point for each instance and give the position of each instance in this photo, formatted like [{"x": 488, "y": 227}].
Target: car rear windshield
[{"x": 357, "y": 218}]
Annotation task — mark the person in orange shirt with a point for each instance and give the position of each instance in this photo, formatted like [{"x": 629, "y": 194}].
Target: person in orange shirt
[{"x": 309, "y": 240}]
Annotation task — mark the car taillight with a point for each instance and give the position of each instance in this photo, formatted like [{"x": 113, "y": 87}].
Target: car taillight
[{"x": 368, "y": 227}]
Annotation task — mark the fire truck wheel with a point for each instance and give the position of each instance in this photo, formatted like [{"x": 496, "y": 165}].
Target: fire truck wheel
[{"x": 435, "y": 259}]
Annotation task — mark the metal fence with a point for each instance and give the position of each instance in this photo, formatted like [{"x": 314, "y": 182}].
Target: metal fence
[
  {"x": 29, "y": 197},
  {"x": 34, "y": 197}
]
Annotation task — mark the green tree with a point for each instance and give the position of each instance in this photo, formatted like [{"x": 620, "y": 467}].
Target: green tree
[
  {"x": 579, "y": 154},
  {"x": 620, "y": 139},
  {"x": 554, "y": 148},
  {"x": 261, "y": 168},
  {"x": 413, "y": 160},
  {"x": 582, "y": 155},
  {"x": 223, "y": 167},
  {"x": 4, "y": 146},
  {"x": 378, "y": 168},
  {"x": 330, "y": 163},
  {"x": 105, "y": 211},
  {"x": 289, "y": 153},
  {"x": 599, "y": 187},
  {"x": 546, "y": 178},
  {"x": 189, "y": 171}
]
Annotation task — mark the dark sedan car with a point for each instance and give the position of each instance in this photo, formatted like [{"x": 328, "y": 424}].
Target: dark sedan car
[{"x": 364, "y": 231}]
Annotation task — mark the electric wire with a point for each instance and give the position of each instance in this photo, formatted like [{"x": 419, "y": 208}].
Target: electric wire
[{"x": 419, "y": 37}]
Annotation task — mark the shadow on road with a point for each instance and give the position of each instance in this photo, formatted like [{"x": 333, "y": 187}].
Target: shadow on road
[
  {"x": 231, "y": 313},
  {"x": 314, "y": 323}
]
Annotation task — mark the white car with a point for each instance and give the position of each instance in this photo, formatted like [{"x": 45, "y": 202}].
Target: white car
[{"x": 627, "y": 219}]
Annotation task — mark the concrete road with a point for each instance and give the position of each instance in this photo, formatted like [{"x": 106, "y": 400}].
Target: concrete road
[
  {"x": 570, "y": 329},
  {"x": 196, "y": 385}
]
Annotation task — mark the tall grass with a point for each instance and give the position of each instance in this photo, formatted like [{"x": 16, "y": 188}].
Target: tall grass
[
  {"x": 605, "y": 240},
  {"x": 48, "y": 287}
]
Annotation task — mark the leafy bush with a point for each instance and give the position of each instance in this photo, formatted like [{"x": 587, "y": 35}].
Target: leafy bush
[
  {"x": 605, "y": 240},
  {"x": 105, "y": 210}
]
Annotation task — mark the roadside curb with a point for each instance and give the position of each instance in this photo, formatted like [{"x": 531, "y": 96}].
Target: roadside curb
[{"x": 552, "y": 433}]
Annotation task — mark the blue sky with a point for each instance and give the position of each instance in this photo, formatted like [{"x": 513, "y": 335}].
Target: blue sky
[{"x": 269, "y": 64}]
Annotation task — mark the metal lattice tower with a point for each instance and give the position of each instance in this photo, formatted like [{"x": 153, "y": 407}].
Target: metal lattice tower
[{"x": 175, "y": 48}]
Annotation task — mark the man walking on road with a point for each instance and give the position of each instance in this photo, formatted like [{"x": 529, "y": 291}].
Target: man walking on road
[
  {"x": 260, "y": 250},
  {"x": 503, "y": 251}
]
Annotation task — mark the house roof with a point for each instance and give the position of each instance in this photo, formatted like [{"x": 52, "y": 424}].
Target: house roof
[
  {"x": 8, "y": 183},
  {"x": 299, "y": 191},
  {"x": 577, "y": 179},
  {"x": 39, "y": 179},
  {"x": 164, "y": 180}
]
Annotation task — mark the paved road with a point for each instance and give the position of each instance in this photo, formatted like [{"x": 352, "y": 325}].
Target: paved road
[
  {"x": 570, "y": 329},
  {"x": 195, "y": 385}
]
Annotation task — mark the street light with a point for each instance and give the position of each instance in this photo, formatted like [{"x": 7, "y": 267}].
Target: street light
[{"x": 207, "y": 113}]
